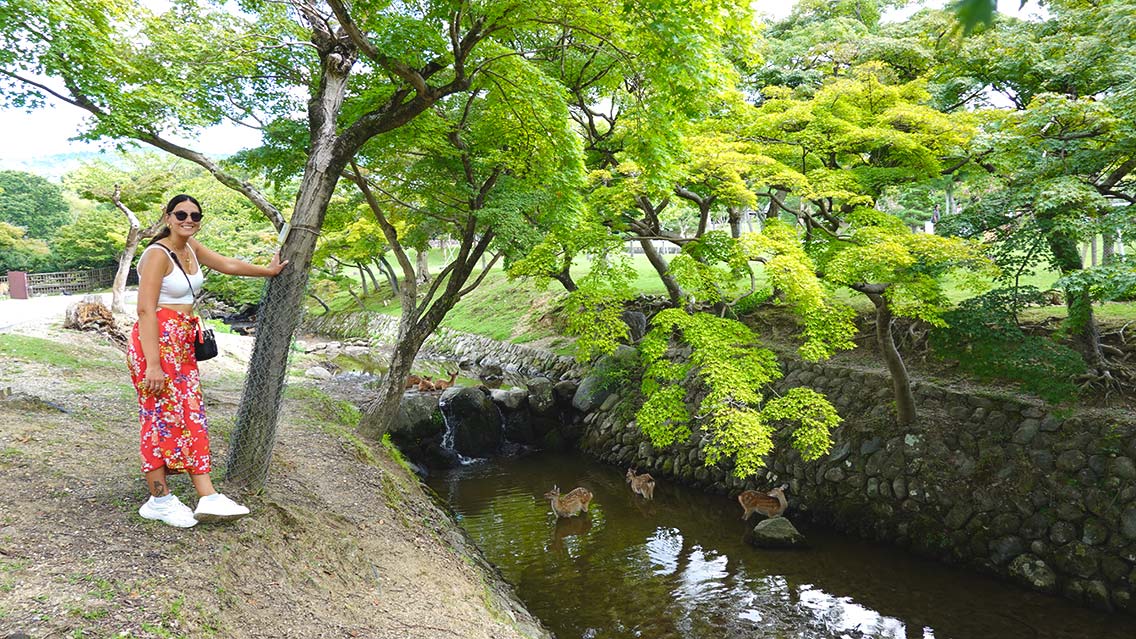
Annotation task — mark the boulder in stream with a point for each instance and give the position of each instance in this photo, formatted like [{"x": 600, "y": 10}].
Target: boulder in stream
[
  {"x": 417, "y": 420},
  {"x": 518, "y": 420},
  {"x": 564, "y": 391},
  {"x": 474, "y": 420},
  {"x": 541, "y": 399},
  {"x": 1034, "y": 573},
  {"x": 776, "y": 533},
  {"x": 417, "y": 430},
  {"x": 608, "y": 373}
]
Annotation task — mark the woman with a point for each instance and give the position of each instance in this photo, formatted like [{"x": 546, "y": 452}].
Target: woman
[{"x": 175, "y": 436}]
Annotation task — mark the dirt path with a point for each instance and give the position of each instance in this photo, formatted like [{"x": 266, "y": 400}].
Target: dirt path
[
  {"x": 342, "y": 543},
  {"x": 20, "y": 315}
]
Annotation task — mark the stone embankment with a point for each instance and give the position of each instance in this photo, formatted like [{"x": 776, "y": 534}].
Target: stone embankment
[
  {"x": 997, "y": 482},
  {"x": 516, "y": 359}
]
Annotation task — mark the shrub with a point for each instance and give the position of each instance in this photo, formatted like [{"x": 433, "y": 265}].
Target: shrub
[{"x": 983, "y": 335}]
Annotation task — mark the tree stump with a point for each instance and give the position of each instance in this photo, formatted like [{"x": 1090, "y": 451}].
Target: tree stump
[{"x": 90, "y": 314}]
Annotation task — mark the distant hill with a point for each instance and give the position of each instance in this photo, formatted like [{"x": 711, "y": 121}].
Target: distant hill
[{"x": 53, "y": 167}]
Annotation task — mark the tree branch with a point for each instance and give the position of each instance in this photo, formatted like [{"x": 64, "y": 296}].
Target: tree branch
[
  {"x": 389, "y": 232},
  {"x": 484, "y": 272}
]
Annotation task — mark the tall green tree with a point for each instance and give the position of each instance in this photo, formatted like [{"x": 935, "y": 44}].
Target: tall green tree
[
  {"x": 19, "y": 252},
  {"x": 904, "y": 275},
  {"x": 332, "y": 76},
  {"x": 32, "y": 202},
  {"x": 1063, "y": 160},
  {"x": 141, "y": 185},
  {"x": 493, "y": 171}
]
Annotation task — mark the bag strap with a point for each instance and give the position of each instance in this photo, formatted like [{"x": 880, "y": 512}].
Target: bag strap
[{"x": 182, "y": 269}]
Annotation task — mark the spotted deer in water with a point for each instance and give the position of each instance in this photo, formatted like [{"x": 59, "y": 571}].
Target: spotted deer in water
[
  {"x": 641, "y": 484},
  {"x": 770, "y": 504},
  {"x": 570, "y": 504}
]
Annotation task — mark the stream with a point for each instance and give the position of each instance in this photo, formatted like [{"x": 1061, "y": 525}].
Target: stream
[{"x": 678, "y": 567}]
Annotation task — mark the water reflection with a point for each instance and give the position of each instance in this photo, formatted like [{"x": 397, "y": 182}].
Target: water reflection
[
  {"x": 663, "y": 548},
  {"x": 677, "y": 567}
]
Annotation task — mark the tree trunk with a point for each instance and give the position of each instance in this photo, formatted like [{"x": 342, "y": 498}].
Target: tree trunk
[
  {"x": 1081, "y": 324},
  {"x": 421, "y": 315},
  {"x": 674, "y": 291},
  {"x": 410, "y": 339},
  {"x": 362, "y": 278},
  {"x": 388, "y": 270},
  {"x": 326, "y": 308},
  {"x": 565, "y": 278},
  {"x": 704, "y": 205},
  {"x": 250, "y": 450},
  {"x": 133, "y": 239},
  {"x": 1108, "y": 246},
  {"x": 414, "y": 326},
  {"x": 371, "y": 273},
  {"x": 900, "y": 381},
  {"x": 735, "y": 216},
  {"x": 358, "y": 300},
  {"x": 422, "y": 266},
  {"x": 254, "y": 435},
  {"x": 118, "y": 288}
]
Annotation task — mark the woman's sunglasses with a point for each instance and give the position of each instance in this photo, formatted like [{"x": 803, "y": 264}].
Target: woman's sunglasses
[{"x": 181, "y": 215}]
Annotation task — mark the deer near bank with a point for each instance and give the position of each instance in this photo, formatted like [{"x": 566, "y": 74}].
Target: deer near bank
[
  {"x": 770, "y": 504},
  {"x": 641, "y": 484}
]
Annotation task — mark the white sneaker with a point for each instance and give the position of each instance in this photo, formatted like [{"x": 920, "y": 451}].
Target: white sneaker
[
  {"x": 172, "y": 512},
  {"x": 217, "y": 507}
]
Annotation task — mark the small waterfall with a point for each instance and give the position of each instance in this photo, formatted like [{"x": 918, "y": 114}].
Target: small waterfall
[
  {"x": 501, "y": 420},
  {"x": 448, "y": 440}
]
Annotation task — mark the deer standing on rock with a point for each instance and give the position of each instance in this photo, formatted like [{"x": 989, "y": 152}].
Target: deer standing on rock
[
  {"x": 571, "y": 504},
  {"x": 770, "y": 504},
  {"x": 641, "y": 484}
]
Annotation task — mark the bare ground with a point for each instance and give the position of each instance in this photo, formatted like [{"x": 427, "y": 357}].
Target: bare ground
[{"x": 343, "y": 542}]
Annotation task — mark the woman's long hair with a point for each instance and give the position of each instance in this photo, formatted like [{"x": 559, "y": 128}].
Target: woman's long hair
[{"x": 174, "y": 201}]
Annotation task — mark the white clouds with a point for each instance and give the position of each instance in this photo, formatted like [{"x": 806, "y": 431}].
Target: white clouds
[
  {"x": 42, "y": 132},
  {"x": 31, "y": 137},
  {"x": 775, "y": 9}
]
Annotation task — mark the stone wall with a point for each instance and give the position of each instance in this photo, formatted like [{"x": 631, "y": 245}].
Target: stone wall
[
  {"x": 513, "y": 358},
  {"x": 1009, "y": 486}
]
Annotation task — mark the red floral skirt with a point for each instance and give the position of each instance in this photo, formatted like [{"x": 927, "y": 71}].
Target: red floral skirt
[{"x": 174, "y": 430}]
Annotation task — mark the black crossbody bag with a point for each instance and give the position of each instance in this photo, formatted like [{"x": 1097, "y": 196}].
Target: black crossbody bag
[{"x": 206, "y": 345}]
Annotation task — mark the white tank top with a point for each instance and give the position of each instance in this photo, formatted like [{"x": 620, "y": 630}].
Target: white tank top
[{"x": 176, "y": 288}]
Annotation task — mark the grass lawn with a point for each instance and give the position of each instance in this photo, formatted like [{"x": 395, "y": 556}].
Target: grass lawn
[
  {"x": 520, "y": 311},
  {"x": 68, "y": 357}
]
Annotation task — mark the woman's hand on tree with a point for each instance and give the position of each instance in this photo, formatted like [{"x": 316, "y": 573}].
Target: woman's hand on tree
[{"x": 276, "y": 265}]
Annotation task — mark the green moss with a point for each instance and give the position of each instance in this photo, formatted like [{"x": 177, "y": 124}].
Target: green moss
[
  {"x": 218, "y": 326},
  {"x": 338, "y": 419},
  {"x": 395, "y": 453}
]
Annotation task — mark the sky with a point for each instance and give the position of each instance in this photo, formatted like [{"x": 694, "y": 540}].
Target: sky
[{"x": 31, "y": 137}]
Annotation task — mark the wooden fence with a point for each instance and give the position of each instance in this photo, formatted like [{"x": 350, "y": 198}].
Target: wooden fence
[{"x": 64, "y": 282}]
